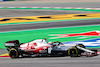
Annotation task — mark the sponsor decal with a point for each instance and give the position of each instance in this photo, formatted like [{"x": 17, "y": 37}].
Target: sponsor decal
[
  {"x": 91, "y": 43},
  {"x": 85, "y": 54},
  {"x": 92, "y": 33}
]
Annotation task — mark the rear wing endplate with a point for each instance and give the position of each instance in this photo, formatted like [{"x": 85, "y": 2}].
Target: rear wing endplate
[{"x": 9, "y": 44}]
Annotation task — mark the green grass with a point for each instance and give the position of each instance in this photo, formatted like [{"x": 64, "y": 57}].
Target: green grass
[{"x": 28, "y": 35}]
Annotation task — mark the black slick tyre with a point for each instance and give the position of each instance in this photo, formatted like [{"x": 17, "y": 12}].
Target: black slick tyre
[{"x": 13, "y": 53}]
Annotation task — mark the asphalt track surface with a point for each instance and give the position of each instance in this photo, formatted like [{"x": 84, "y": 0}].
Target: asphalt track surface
[
  {"x": 90, "y": 5},
  {"x": 22, "y": 12},
  {"x": 51, "y": 61},
  {"x": 16, "y": 27}
]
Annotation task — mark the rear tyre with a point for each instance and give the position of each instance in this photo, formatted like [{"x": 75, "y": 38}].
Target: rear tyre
[
  {"x": 13, "y": 53},
  {"x": 73, "y": 52}
]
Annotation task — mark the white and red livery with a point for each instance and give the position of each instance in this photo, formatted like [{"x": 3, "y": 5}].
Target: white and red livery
[{"x": 41, "y": 47}]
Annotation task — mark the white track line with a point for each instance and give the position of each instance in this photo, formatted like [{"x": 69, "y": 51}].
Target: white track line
[{"x": 57, "y": 8}]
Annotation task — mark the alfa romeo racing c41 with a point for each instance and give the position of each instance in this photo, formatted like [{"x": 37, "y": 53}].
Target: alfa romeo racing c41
[{"x": 41, "y": 47}]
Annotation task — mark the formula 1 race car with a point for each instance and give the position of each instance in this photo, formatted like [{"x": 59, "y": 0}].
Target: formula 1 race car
[{"x": 40, "y": 47}]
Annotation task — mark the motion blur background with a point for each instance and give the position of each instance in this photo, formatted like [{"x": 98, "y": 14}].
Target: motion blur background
[{"x": 56, "y": 0}]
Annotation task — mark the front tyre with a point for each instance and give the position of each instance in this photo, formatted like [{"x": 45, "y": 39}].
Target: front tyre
[
  {"x": 73, "y": 52},
  {"x": 13, "y": 53}
]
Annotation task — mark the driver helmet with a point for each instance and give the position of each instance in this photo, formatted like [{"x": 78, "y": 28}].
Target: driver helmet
[{"x": 44, "y": 38}]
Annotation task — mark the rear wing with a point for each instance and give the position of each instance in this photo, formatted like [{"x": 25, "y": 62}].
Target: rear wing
[
  {"x": 9, "y": 44},
  {"x": 13, "y": 43}
]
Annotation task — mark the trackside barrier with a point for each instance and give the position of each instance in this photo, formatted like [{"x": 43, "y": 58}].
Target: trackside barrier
[
  {"x": 8, "y": 0},
  {"x": 2, "y": 0}
]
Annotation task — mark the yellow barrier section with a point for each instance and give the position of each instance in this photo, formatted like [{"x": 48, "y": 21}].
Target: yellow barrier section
[{"x": 48, "y": 18}]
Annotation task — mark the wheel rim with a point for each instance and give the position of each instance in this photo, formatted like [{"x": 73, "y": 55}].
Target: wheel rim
[
  {"x": 13, "y": 53},
  {"x": 73, "y": 52}
]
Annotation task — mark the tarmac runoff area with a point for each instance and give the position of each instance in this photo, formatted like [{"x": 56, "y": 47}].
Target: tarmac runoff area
[
  {"x": 24, "y": 12},
  {"x": 51, "y": 62},
  {"x": 52, "y": 3}
]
